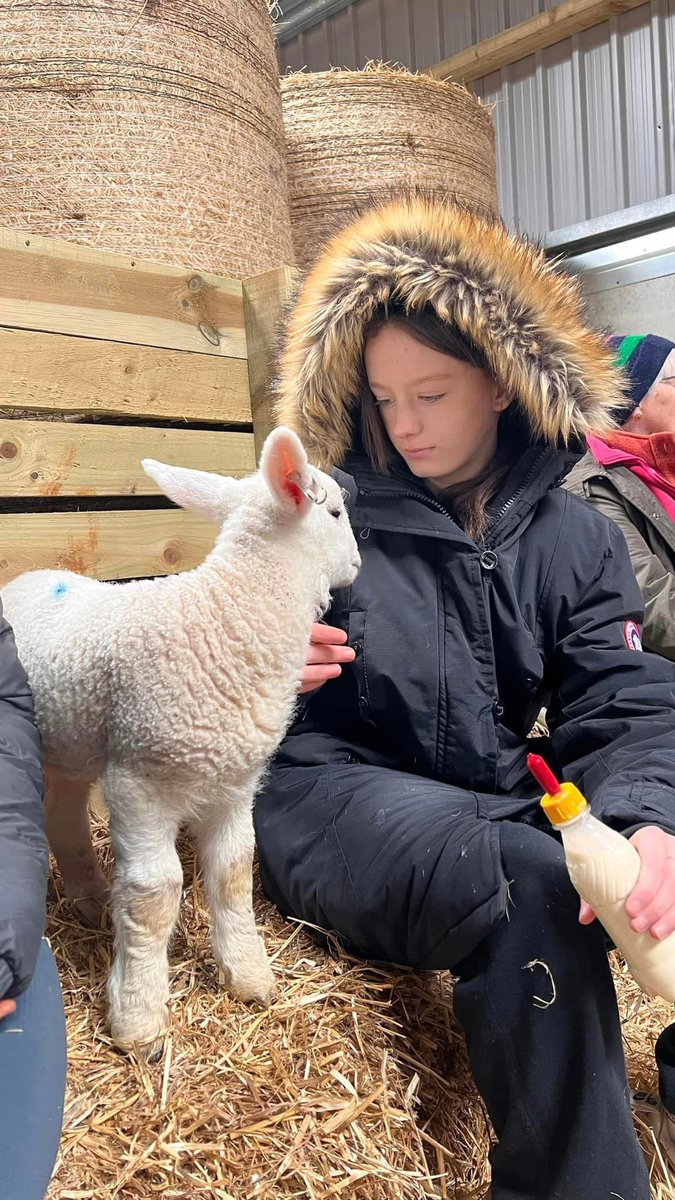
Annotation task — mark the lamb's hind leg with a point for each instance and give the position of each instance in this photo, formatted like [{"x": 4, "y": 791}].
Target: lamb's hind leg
[
  {"x": 225, "y": 838},
  {"x": 146, "y": 897},
  {"x": 69, "y": 832}
]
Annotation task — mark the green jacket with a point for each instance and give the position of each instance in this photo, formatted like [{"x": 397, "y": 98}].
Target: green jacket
[{"x": 650, "y": 534}]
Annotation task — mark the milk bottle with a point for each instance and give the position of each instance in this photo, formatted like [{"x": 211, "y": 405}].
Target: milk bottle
[{"x": 604, "y": 868}]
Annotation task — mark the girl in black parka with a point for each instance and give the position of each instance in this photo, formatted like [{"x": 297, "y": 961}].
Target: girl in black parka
[{"x": 443, "y": 368}]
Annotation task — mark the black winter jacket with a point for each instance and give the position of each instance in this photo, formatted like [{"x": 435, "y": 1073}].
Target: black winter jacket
[
  {"x": 459, "y": 646},
  {"x": 24, "y": 856}
]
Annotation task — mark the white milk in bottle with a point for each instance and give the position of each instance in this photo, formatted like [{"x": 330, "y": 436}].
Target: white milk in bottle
[{"x": 604, "y": 868}]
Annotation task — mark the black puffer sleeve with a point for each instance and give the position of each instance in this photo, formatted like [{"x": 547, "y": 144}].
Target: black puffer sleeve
[{"x": 612, "y": 715}]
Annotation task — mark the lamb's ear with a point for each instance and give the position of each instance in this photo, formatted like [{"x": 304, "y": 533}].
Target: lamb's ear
[
  {"x": 212, "y": 496},
  {"x": 284, "y": 467}
]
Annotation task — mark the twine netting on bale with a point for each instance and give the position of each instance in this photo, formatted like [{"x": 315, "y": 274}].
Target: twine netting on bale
[
  {"x": 355, "y": 136},
  {"x": 149, "y": 127},
  {"x": 354, "y": 1084}
]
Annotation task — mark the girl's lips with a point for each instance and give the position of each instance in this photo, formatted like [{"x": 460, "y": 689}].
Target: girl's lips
[{"x": 418, "y": 453}]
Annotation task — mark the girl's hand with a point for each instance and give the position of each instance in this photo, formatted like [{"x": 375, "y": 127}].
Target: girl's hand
[
  {"x": 651, "y": 904},
  {"x": 327, "y": 649},
  {"x": 7, "y": 1007}
]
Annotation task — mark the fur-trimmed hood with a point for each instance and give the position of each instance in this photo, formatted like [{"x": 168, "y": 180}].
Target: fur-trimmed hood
[{"x": 499, "y": 290}]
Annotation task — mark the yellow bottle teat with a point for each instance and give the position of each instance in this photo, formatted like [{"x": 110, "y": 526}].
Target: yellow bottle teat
[{"x": 565, "y": 805}]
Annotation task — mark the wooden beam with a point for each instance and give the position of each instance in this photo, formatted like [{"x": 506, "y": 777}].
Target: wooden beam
[
  {"x": 48, "y": 372},
  {"x": 105, "y": 545},
  {"x": 264, "y": 299},
  {"x": 60, "y": 287},
  {"x": 54, "y": 458},
  {"x": 546, "y": 29}
]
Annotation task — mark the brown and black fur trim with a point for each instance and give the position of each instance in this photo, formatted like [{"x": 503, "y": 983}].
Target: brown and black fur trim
[{"x": 499, "y": 290}]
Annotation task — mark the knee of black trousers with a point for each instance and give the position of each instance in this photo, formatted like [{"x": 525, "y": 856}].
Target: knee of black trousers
[
  {"x": 534, "y": 865},
  {"x": 409, "y": 914},
  {"x": 542, "y": 915},
  {"x": 535, "y": 883}
]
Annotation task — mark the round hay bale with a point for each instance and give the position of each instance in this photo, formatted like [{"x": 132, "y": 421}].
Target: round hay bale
[
  {"x": 354, "y": 1083},
  {"x": 149, "y": 127},
  {"x": 356, "y": 136}
]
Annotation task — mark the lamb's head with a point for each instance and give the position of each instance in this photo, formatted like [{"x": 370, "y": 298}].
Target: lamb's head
[
  {"x": 304, "y": 494},
  {"x": 300, "y": 495}
]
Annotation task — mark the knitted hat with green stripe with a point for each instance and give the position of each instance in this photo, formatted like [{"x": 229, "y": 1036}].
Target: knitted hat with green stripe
[{"x": 642, "y": 357}]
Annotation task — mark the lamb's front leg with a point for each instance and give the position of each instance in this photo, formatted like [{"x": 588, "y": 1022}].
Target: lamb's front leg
[
  {"x": 145, "y": 899},
  {"x": 225, "y": 838}
]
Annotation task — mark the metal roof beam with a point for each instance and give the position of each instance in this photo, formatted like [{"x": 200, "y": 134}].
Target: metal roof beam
[{"x": 299, "y": 15}]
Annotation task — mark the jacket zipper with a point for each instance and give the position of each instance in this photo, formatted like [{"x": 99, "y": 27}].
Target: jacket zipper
[
  {"x": 428, "y": 500},
  {"x": 431, "y": 503},
  {"x": 518, "y": 493}
]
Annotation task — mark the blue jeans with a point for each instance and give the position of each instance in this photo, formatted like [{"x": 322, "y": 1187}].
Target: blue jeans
[{"x": 32, "y": 1084}]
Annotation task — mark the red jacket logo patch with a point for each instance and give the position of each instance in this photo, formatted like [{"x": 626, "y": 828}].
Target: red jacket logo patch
[{"x": 631, "y": 632}]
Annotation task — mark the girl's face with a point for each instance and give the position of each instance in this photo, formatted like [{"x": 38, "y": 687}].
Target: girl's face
[
  {"x": 440, "y": 414},
  {"x": 656, "y": 413}
]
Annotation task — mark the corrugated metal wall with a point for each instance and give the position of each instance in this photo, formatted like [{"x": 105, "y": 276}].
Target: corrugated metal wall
[{"x": 583, "y": 128}]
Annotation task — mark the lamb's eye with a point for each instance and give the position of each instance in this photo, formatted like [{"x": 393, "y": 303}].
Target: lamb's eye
[{"x": 335, "y": 512}]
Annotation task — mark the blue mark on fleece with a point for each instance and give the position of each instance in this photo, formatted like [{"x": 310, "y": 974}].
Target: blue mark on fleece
[{"x": 59, "y": 589}]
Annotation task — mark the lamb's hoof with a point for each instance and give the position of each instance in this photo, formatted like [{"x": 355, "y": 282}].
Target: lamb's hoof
[
  {"x": 92, "y": 911},
  {"x": 90, "y": 900},
  {"x": 258, "y": 989},
  {"x": 263, "y": 998},
  {"x": 145, "y": 1041},
  {"x": 152, "y": 1052}
]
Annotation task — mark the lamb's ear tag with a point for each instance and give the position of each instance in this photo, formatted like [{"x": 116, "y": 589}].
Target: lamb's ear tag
[{"x": 316, "y": 495}]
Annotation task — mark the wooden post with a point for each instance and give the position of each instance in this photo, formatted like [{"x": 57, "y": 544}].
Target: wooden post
[
  {"x": 545, "y": 29},
  {"x": 264, "y": 300}
]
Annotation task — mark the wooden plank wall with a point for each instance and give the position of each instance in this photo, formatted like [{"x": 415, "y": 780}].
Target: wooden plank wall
[{"x": 105, "y": 360}]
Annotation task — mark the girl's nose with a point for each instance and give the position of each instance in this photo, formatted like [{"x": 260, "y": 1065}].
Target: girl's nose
[{"x": 406, "y": 422}]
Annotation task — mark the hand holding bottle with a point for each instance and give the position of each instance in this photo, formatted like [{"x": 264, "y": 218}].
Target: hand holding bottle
[
  {"x": 628, "y": 886},
  {"x": 651, "y": 904}
]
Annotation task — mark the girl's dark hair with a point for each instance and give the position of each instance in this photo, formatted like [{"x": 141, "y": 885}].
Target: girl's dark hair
[{"x": 468, "y": 501}]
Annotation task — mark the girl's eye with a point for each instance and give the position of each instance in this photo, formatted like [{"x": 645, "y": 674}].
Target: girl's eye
[
  {"x": 431, "y": 398},
  {"x": 382, "y": 403}
]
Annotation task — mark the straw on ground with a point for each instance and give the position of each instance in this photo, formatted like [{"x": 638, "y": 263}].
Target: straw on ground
[{"x": 354, "y": 1084}]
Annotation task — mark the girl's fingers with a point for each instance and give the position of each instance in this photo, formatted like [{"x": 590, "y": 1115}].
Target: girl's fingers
[
  {"x": 7, "y": 1007},
  {"x": 327, "y": 650},
  {"x": 664, "y": 926},
  {"x": 327, "y": 635},
  {"x": 652, "y": 845},
  {"x": 657, "y": 911},
  {"x": 314, "y": 676},
  {"x": 586, "y": 914},
  {"x": 329, "y": 654}
]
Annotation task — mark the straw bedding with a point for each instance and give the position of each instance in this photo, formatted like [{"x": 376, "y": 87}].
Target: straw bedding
[
  {"x": 149, "y": 127},
  {"x": 356, "y": 136},
  {"x": 354, "y": 1084}
]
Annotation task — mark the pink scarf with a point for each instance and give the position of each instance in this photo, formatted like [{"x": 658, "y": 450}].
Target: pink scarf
[{"x": 651, "y": 457}]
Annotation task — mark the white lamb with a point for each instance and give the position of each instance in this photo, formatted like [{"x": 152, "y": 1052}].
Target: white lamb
[{"x": 177, "y": 691}]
